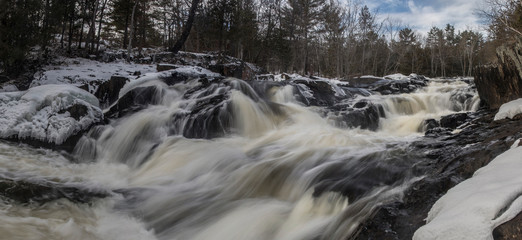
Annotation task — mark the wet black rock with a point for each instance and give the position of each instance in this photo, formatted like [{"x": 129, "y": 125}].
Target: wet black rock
[
  {"x": 210, "y": 118},
  {"x": 77, "y": 111},
  {"x": 363, "y": 114},
  {"x": 323, "y": 94},
  {"x": 437, "y": 132},
  {"x": 25, "y": 191},
  {"x": 452, "y": 121},
  {"x": 165, "y": 67},
  {"x": 241, "y": 70},
  {"x": 447, "y": 161},
  {"x": 135, "y": 100},
  {"x": 428, "y": 124},
  {"x": 108, "y": 92},
  {"x": 399, "y": 86}
]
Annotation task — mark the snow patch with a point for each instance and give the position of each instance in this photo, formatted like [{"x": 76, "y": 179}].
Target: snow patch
[
  {"x": 151, "y": 79},
  {"x": 41, "y": 113},
  {"x": 80, "y": 71},
  {"x": 397, "y": 76},
  {"x": 473, "y": 208},
  {"x": 8, "y": 88},
  {"x": 509, "y": 110}
]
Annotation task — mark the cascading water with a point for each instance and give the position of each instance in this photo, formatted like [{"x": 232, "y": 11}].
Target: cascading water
[{"x": 224, "y": 160}]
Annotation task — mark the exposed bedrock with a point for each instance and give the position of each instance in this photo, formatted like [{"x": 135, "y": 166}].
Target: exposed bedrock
[
  {"x": 25, "y": 191},
  {"x": 511, "y": 230},
  {"x": 447, "y": 160},
  {"x": 501, "y": 82}
]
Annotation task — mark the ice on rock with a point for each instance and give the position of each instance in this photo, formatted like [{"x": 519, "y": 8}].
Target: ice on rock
[
  {"x": 43, "y": 113},
  {"x": 509, "y": 110}
]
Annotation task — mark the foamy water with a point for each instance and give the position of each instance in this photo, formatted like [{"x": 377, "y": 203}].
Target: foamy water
[{"x": 278, "y": 170}]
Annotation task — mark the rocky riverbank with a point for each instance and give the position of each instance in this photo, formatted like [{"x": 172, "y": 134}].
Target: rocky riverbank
[{"x": 197, "y": 97}]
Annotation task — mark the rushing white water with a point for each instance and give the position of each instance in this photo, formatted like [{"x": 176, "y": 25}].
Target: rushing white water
[
  {"x": 406, "y": 112},
  {"x": 277, "y": 170}
]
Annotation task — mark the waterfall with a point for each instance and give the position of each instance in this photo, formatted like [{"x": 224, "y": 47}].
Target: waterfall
[{"x": 220, "y": 159}]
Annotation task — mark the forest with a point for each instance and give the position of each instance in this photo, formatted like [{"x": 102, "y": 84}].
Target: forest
[{"x": 329, "y": 38}]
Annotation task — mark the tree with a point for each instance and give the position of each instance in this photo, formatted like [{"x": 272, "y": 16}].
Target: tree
[
  {"x": 19, "y": 31},
  {"x": 504, "y": 16},
  {"x": 407, "y": 50},
  {"x": 334, "y": 28},
  {"x": 186, "y": 29},
  {"x": 302, "y": 18}
]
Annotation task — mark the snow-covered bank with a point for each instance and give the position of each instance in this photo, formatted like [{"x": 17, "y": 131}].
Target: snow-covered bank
[
  {"x": 50, "y": 113},
  {"x": 509, "y": 110},
  {"x": 79, "y": 71},
  {"x": 473, "y": 208}
]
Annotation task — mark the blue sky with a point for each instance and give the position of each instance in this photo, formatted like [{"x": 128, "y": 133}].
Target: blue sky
[{"x": 421, "y": 15}]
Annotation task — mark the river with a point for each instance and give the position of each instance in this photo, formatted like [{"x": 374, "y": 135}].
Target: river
[{"x": 229, "y": 160}]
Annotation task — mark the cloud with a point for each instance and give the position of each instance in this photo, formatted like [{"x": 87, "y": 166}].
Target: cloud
[{"x": 421, "y": 15}]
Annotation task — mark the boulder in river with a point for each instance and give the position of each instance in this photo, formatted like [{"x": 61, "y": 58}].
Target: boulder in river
[
  {"x": 25, "y": 191},
  {"x": 134, "y": 100},
  {"x": 49, "y": 115},
  {"x": 108, "y": 91},
  {"x": 452, "y": 121}
]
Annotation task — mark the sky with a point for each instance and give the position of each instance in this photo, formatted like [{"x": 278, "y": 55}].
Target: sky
[{"x": 421, "y": 15}]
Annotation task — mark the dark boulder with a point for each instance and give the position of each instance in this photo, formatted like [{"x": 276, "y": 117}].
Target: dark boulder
[
  {"x": 437, "y": 132},
  {"x": 398, "y": 86},
  {"x": 241, "y": 70},
  {"x": 501, "y": 82},
  {"x": 362, "y": 114},
  {"x": 510, "y": 230},
  {"x": 135, "y": 100},
  {"x": 108, "y": 91},
  {"x": 211, "y": 117},
  {"x": 454, "y": 120},
  {"x": 25, "y": 191},
  {"x": 165, "y": 67},
  {"x": 322, "y": 93},
  {"x": 428, "y": 124}
]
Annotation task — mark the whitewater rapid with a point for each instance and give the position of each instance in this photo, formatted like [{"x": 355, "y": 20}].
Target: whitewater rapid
[{"x": 256, "y": 167}]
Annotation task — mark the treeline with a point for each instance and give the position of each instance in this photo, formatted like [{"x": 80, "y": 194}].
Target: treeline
[{"x": 320, "y": 37}]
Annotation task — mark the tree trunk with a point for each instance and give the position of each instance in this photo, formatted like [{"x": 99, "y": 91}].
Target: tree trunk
[
  {"x": 100, "y": 25},
  {"x": 186, "y": 29},
  {"x": 129, "y": 46},
  {"x": 71, "y": 24},
  {"x": 84, "y": 7}
]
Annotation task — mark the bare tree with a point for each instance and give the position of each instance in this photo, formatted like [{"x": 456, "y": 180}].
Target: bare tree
[
  {"x": 504, "y": 13},
  {"x": 186, "y": 28},
  {"x": 129, "y": 46}
]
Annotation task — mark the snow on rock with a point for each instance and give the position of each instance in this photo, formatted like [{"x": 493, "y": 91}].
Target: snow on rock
[
  {"x": 80, "y": 71},
  {"x": 193, "y": 71},
  {"x": 8, "y": 88},
  {"x": 49, "y": 113},
  {"x": 396, "y": 76},
  {"x": 473, "y": 208},
  {"x": 509, "y": 110},
  {"x": 150, "y": 79}
]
